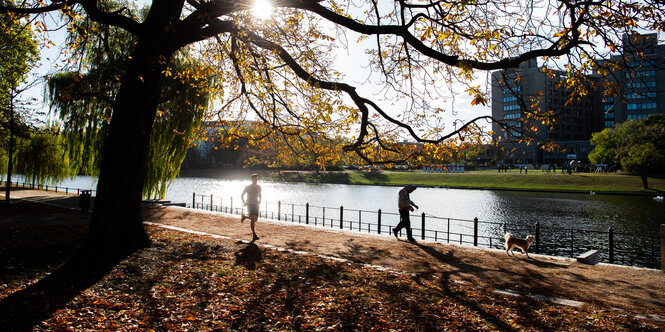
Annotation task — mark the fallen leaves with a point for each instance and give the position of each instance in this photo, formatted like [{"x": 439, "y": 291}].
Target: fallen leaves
[{"x": 187, "y": 282}]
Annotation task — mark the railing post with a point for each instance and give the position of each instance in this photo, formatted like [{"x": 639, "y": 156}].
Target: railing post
[
  {"x": 378, "y": 220},
  {"x": 293, "y": 214},
  {"x": 537, "y": 237},
  {"x": 193, "y": 199},
  {"x": 341, "y": 217},
  {"x": 307, "y": 213},
  {"x": 448, "y": 232},
  {"x": 360, "y": 222},
  {"x": 475, "y": 231},
  {"x": 279, "y": 210},
  {"x": 611, "y": 244},
  {"x": 231, "y": 207},
  {"x": 422, "y": 225},
  {"x": 211, "y": 202},
  {"x": 662, "y": 246},
  {"x": 572, "y": 243},
  {"x": 323, "y": 217}
]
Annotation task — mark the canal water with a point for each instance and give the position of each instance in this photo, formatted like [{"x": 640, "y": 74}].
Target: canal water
[{"x": 569, "y": 224}]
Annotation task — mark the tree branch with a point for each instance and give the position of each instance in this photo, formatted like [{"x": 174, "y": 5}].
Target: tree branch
[
  {"x": 560, "y": 47},
  {"x": 113, "y": 18}
]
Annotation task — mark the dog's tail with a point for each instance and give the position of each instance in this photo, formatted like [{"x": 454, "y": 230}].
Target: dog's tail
[{"x": 508, "y": 236}]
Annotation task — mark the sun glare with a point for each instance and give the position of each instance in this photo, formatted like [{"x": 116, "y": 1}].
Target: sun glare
[{"x": 262, "y": 9}]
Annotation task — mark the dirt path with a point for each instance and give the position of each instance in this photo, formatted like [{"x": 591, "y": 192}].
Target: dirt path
[
  {"x": 635, "y": 289},
  {"x": 608, "y": 285}
]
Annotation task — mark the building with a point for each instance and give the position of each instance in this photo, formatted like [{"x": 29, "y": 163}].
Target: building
[
  {"x": 207, "y": 151},
  {"x": 516, "y": 91},
  {"x": 639, "y": 82}
]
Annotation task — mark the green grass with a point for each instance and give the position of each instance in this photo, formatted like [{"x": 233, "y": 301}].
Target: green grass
[{"x": 491, "y": 179}]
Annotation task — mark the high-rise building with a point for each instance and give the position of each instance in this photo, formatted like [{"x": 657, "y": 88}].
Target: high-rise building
[
  {"x": 640, "y": 80},
  {"x": 516, "y": 92},
  {"x": 639, "y": 83}
]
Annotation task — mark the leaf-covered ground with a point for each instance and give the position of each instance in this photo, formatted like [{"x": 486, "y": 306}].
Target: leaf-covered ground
[{"x": 189, "y": 282}]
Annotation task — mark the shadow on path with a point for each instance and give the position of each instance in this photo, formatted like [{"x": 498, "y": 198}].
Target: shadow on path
[
  {"x": 248, "y": 256},
  {"x": 28, "y": 307}
]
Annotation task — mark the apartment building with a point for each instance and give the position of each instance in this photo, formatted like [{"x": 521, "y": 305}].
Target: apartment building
[{"x": 516, "y": 91}]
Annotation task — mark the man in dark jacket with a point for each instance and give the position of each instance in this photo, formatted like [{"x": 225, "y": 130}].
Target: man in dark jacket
[{"x": 405, "y": 205}]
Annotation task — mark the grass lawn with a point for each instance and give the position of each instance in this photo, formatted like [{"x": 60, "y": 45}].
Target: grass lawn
[{"x": 513, "y": 179}]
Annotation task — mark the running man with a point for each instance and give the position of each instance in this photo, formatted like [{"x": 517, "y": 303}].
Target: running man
[
  {"x": 253, "y": 193},
  {"x": 405, "y": 205}
]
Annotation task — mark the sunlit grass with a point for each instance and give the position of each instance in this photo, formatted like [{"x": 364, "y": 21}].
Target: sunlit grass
[{"x": 513, "y": 179}]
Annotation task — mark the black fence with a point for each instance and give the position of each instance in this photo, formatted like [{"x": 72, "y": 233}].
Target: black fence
[
  {"x": 613, "y": 247},
  {"x": 66, "y": 190}
]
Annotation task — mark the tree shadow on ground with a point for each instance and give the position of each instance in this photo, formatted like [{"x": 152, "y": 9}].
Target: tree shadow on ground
[
  {"x": 446, "y": 284},
  {"x": 333, "y": 177},
  {"x": 28, "y": 307},
  {"x": 33, "y": 246},
  {"x": 361, "y": 253},
  {"x": 376, "y": 177}
]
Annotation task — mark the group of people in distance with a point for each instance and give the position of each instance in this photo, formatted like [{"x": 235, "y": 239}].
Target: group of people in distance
[{"x": 251, "y": 197}]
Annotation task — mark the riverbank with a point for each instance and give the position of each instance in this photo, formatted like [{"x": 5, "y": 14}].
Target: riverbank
[
  {"x": 533, "y": 180},
  {"x": 201, "y": 275}
]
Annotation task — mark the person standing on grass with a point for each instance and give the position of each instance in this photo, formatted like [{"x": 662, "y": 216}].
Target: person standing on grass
[
  {"x": 405, "y": 205},
  {"x": 253, "y": 193}
]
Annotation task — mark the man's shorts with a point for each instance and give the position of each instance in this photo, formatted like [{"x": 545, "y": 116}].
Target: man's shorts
[{"x": 253, "y": 210}]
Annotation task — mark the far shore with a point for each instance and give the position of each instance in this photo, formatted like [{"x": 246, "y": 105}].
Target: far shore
[{"x": 513, "y": 180}]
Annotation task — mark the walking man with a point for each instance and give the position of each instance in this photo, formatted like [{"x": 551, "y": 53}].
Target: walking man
[
  {"x": 405, "y": 205},
  {"x": 253, "y": 193}
]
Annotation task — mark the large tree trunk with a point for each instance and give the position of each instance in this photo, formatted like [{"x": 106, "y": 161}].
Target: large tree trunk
[{"x": 116, "y": 229}]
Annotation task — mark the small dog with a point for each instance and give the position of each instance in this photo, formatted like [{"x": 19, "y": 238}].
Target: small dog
[{"x": 512, "y": 242}]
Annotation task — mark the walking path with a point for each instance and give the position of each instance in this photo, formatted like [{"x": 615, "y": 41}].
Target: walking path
[{"x": 561, "y": 280}]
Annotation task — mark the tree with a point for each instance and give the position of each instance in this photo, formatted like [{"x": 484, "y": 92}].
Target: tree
[
  {"x": 82, "y": 100},
  {"x": 18, "y": 53},
  {"x": 43, "y": 158},
  {"x": 280, "y": 69},
  {"x": 639, "y": 145}
]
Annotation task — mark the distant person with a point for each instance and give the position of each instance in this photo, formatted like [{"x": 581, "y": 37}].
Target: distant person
[
  {"x": 405, "y": 205},
  {"x": 253, "y": 193}
]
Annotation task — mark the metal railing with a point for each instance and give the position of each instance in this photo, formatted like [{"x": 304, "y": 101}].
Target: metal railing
[
  {"x": 614, "y": 247},
  {"x": 56, "y": 189}
]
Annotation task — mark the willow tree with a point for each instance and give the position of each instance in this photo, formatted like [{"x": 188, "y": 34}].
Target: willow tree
[
  {"x": 82, "y": 99},
  {"x": 42, "y": 158},
  {"x": 281, "y": 70}
]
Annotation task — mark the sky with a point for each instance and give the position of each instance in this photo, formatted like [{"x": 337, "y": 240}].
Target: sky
[{"x": 49, "y": 63}]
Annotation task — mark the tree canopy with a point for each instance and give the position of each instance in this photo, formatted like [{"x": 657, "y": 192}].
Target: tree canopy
[
  {"x": 638, "y": 145},
  {"x": 18, "y": 51}
]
